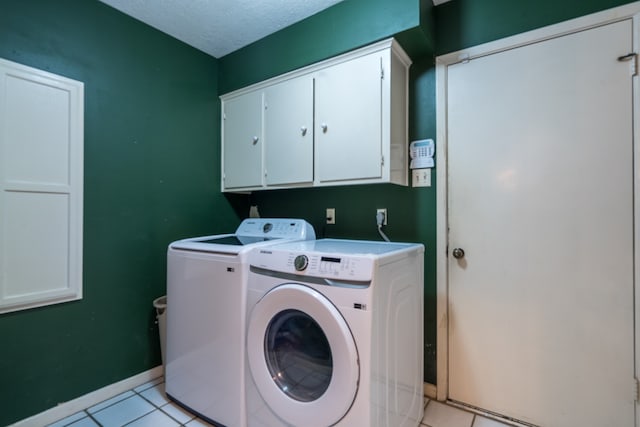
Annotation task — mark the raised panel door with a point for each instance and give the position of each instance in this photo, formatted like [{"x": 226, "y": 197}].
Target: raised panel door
[
  {"x": 348, "y": 120},
  {"x": 288, "y": 129},
  {"x": 242, "y": 143}
]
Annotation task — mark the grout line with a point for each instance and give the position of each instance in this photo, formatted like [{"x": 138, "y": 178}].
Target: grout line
[
  {"x": 114, "y": 403},
  {"x": 92, "y": 419},
  {"x": 150, "y": 384},
  {"x": 158, "y": 408},
  {"x": 169, "y": 415},
  {"x": 145, "y": 399},
  {"x": 136, "y": 419},
  {"x": 120, "y": 401}
]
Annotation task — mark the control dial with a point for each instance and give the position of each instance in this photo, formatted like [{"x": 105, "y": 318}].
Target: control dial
[
  {"x": 301, "y": 262},
  {"x": 267, "y": 227}
]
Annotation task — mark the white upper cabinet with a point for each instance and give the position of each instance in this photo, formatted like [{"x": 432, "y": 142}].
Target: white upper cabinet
[
  {"x": 339, "y": 122},
  {"x": 348, "y": 118},
  {"x": 288, "y": 130},
  {"x": 242, "y": 132}
]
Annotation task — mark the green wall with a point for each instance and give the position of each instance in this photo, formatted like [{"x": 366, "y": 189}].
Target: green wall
[
  {"x": 466, "y": 23},
  {"x": 151, "y": 176},
  {"x": 343, "y": 27}
]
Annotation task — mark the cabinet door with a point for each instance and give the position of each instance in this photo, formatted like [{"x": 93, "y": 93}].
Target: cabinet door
[
  {"x": 348, "y": 120},
  {"x": 242, "y": 141},
  {"x": 288, "y": 131}
]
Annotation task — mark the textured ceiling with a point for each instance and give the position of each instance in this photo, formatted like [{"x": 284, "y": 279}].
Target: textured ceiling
[{"x": 219, "y": 27}]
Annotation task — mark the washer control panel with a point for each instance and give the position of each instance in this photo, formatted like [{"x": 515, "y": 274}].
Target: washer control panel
[
  {"x": 334, "y": 266},
  {"x": 328, "y": 266}
]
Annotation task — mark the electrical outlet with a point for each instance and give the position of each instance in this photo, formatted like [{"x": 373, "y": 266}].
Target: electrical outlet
[
  {"x": 422, "y": 177},
  {"x": 331, "y": 216},
  {"x": 382, "y": 211}
]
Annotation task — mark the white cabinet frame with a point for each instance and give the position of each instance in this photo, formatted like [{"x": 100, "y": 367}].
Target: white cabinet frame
[
  {"x": 393, "y": 151},
  {"x": 41, "y": 187}
]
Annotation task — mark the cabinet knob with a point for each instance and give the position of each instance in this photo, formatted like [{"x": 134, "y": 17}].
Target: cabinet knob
[
  {"x": 254, "y": 140},
  {"x": 303, "y": 130},
  {"x": 324, "y": 127}
]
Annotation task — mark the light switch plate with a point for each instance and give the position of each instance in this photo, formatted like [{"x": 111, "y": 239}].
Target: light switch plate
[{"x": 421, "y": 177}]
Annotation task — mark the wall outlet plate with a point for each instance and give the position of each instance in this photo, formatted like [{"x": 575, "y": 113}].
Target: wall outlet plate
[
  {"x": 383, "y": 211},
  {"x": 331, "y": 215}
]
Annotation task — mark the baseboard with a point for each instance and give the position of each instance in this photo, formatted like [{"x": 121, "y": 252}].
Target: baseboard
[
  {"x": 430, "y": 391},
  {"x": 65, "y": 409}
]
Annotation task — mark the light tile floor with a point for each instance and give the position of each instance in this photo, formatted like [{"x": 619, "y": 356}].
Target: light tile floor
[
  {"x": 148, "y": 406},
  {"x": 438, "y": 414}
]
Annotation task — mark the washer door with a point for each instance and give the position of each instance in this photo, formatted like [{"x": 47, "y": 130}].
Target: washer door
[{"x": 302, "y": 356}]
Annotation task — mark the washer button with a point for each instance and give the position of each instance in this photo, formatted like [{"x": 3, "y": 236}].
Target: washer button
[{"x": 301, "y": 262}]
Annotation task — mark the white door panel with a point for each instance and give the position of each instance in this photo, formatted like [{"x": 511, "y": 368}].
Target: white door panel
[
  {"x": 242, "y": 136},
  {"x": 540, "y": 199},
  {"x": 289, "y": 132},
  {"x": 349, "y": 120}
]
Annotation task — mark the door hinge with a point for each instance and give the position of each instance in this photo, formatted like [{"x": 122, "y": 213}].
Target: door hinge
[
  {"x": 636, "y": 390},
  {"x": 633, "y": 57},
  {"x": 382, "y": 161},
  {"x": 381, "y": 70}
]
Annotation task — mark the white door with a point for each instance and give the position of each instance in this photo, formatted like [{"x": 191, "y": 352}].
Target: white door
[
  {"x": 288, "y": 129},
  {"x": 540, "y": 180},
  {"x": 242, "y": 141},
  {"x": 348, "y": 128}
]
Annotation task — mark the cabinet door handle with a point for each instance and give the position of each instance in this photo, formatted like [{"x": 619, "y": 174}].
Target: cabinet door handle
[
  {"x": 303, "y": 130},
  {"x": 254, "y": 140},
  {"x": 324, "y": 127}
]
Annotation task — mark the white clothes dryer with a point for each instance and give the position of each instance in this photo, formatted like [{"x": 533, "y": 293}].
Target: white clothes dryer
[
  {"x": 335, "y": 334},
  {"x": 206, "y": 313}
]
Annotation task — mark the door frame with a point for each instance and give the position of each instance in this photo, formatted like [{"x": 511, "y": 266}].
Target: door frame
[{"x": 629, "y": 11}]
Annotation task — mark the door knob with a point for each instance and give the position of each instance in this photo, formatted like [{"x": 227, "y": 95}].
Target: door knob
[
  {"x": 324, "y": 127},
  {"x": 254, "y": 140},
  {"x": 303, "y": 130},
  {"x": 458, "y": 253}
]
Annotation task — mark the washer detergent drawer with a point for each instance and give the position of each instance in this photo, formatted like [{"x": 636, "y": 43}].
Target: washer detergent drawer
[{"x": 205, "y": 334}]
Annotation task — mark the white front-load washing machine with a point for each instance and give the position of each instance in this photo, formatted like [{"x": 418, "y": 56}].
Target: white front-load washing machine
[
  {"x": 206, "y": 313},
  {"x": 335, "y": 334}
]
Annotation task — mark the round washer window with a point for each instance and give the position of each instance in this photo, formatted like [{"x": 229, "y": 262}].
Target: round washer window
[{"x": 298, "y": 355}]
